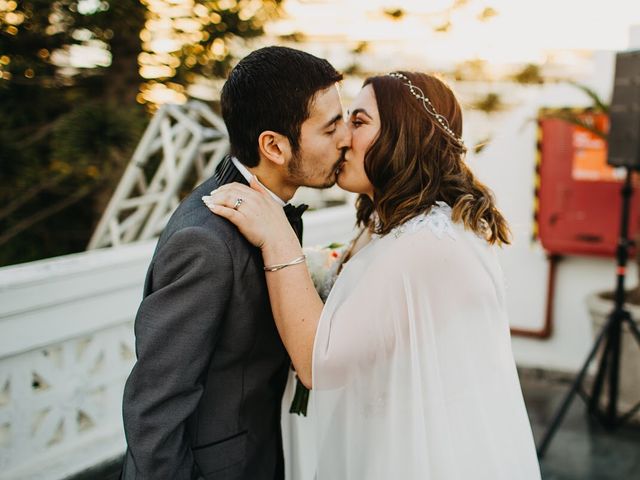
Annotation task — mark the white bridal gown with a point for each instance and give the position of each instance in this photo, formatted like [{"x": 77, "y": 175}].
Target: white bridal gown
[{"x": 413, "y": 373}]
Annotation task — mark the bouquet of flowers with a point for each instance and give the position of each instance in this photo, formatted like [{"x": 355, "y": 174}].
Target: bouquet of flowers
[{"x": 323, "y": 264}]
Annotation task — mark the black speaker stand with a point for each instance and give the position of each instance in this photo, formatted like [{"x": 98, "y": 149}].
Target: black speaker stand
[{"x": 610, "y": 335}]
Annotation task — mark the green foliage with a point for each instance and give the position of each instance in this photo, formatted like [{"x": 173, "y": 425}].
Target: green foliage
[
  {"x": 68, "y": 131},
  {"x": 221, "y": 21},
  {"x": 443, "y": 27},
  {"x": 471, "y": 70},
  {"x": 394, "y": 13},
  {"x": 295, "y": 37},
  {"x": 490, "y": 103},
  {"x": 598, "y": 104},
  {"x": 576, "y": 118},
  {"x": 361, "y": 48},
  {"x": 530, "y": 74},
  {"x": 92, "y": 134},
  {"x": 482, "y": 144},
  {"x": 487, "y": 14},
  {"x": 353, "y": 68}
]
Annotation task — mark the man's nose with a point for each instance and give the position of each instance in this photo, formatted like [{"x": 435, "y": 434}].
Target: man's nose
[{"x": 345, "y": 137}]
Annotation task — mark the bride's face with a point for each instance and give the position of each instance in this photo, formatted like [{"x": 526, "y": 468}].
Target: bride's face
[{"x": 364, "y": 122}]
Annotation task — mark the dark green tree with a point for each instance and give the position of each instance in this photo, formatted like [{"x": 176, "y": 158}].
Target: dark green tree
[{"x": 68, "y": 124}]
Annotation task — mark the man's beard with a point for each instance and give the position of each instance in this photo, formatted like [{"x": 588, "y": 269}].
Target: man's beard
[{"x": 296, "y": 172}]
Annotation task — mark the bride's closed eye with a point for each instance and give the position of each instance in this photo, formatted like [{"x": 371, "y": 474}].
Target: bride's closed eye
[{"x": 356, "y": 122}]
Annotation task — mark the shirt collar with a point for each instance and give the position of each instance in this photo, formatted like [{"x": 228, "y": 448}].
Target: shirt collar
[{"x": 248, "y": 176}]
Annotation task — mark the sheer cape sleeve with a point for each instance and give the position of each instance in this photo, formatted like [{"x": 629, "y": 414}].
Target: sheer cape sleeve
[{"x": 413, "y": 372}]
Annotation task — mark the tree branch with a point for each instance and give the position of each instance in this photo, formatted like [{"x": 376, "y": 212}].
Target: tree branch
[
  {"x": 29, "y": 194},
  {"x": 42, "y": 214}
]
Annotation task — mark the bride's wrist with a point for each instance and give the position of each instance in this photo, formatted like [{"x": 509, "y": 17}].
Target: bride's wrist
[{"x": 281, "y": 251}]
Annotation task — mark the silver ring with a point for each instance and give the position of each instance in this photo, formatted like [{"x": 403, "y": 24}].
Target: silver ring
[{"x": 239, "y": 201}]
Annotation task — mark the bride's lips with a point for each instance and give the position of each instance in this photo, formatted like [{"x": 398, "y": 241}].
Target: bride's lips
[{"x": 339, "y": 167}]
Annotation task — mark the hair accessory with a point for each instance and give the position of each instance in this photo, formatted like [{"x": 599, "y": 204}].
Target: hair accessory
[{"x": 428, "y": 106}]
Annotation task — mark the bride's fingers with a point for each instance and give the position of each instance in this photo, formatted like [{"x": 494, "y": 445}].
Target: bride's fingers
[
  {"x": 230, "y": 214},
  {"x": 241, "y": 221},
  {"x": 229, "y": 198},
  {"x": 230, "y": 195},
  {"x": 249, "y": 208}
]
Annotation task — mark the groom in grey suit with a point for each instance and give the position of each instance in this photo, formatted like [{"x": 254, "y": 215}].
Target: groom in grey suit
[{"x": 204, "y": 397}]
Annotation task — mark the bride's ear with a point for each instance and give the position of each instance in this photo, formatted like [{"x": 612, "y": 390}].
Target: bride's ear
[{"x": 274, "y": 147}]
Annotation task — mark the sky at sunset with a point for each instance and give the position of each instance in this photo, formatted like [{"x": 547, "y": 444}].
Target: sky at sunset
[{"x": 522, "y": 31}]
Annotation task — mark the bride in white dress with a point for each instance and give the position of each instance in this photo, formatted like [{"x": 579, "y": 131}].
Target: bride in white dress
[{"x": 410, "y": 359}]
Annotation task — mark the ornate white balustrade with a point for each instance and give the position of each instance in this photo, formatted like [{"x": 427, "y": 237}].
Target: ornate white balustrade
[
  {"x": 67, "y": 346},
  {"x": 66, "y": 349}
]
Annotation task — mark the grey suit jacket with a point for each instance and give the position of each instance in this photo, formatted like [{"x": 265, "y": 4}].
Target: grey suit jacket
[{"x": 203, "y": 399}]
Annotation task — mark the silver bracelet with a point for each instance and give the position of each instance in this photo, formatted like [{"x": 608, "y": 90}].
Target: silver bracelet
[{"x": 280, "y": 266}]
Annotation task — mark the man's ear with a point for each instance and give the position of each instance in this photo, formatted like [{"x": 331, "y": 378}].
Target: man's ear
[{"x": 274, "y": 147}]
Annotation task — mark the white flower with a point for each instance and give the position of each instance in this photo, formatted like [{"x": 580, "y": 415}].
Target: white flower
[{"x": 323, "y": 263}]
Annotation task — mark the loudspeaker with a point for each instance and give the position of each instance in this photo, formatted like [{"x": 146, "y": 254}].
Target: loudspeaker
[{"x": 624, "y": 131}]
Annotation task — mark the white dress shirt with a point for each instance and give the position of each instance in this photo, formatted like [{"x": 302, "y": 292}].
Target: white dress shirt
[{"x": 248, "y": 176}]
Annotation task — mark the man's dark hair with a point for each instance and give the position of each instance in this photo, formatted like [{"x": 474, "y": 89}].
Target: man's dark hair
[{"x": 271, "y": 89}]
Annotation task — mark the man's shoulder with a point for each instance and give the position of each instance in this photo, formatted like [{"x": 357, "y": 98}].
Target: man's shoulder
[{"x": 192, "y": 217}]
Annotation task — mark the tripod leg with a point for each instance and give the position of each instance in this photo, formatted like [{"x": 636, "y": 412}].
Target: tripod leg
[
  {"x": 600, "y": 375},
  {"x": 633, "y": 327},
  {"x": 557, "y": 420},
  {"x": 615, "y": 331},
  {"x": 630, "y": 413}
]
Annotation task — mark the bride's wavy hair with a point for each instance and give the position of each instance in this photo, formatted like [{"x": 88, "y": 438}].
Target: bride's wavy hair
[{"x": 413, "y": 162}]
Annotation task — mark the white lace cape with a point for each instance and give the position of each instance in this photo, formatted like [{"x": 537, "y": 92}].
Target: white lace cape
[{"x": 413, "y": 372}]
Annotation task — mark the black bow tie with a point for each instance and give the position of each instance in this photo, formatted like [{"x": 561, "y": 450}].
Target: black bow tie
[{"x": 294, "y": 215}]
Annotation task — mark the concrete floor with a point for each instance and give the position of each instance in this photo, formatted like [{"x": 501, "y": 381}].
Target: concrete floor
[{"x": 580, "y": 450}]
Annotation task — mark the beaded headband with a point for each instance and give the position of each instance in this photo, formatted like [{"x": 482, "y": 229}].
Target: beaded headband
[{"x": 428, "y": 106}]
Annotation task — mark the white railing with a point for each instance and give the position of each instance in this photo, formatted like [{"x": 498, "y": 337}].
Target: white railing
[
  {"x": 65, "y": 351},
  {"x": 66, "y": 348}
]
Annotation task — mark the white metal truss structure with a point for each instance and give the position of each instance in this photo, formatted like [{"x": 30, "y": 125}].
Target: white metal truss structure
[{"x": 186, "y": 142}]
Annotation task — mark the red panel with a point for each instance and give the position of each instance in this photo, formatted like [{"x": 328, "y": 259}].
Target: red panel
[{"x": 579, "y": 195}]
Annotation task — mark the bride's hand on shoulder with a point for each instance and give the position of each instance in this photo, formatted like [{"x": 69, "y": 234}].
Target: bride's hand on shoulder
[{"x": 252, "y": 210}]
